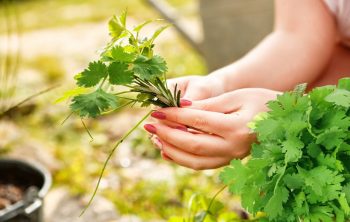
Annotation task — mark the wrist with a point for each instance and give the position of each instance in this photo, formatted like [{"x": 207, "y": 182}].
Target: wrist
[
  {"x": 216, "y": 83},
  {"x": 230, "y": 78}
]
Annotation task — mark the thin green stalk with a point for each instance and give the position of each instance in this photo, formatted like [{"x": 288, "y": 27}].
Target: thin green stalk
[
  {"x": 119, "y": 107},
  {"x": 109, "y": 157},
  {"x": 127, "y": 98},
  {"x": 212, "y": 201},
  {"x": 26, "y": 100},
  {"x": 119, "y": 93},
  {"x": 67, "y": 117},
  {"x": 86, "y": 129},
  {"x": 103, "y": 81},
  {"x": 279, "y": 178},
  {"x": 214, "y": 197}
]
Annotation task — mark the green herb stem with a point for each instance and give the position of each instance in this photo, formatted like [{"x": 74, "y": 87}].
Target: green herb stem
[{"x": 109, "y": 157}]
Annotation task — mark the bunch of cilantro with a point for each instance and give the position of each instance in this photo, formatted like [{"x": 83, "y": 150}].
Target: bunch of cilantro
[
  {"x": 127, "y": 62},
  {"x": 127, "y": 73},
  {"x": 299, "y": 170}
]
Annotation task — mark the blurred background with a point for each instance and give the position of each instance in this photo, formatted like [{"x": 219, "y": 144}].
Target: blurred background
[{"x": 44, "y": 43}]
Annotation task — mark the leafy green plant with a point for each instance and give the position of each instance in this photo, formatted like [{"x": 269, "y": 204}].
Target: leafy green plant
[
  {"x": 128, "y": 72},
  {"x": 299, "y": 170}
]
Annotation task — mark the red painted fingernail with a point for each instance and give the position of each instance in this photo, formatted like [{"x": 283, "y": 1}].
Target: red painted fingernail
[
  {"x": 150, "y": 128},
  {"x": 183, "y": 128},
  {"x": 185, "y": 102},
  {"x": 158, "y": 115},
  {"x": 165, "y": 156}
]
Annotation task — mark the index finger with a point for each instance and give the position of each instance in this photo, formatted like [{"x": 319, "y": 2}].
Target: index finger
[{"x": 210, "y": 122}]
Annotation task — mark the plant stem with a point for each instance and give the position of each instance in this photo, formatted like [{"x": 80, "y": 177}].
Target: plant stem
[
  {"x": 103, "y": 81},
  {"x": 212, "y": 201},
  {"x": 65, "y": 119},
  {"x": 86, "y": 129},
  {"x": 26, "y": 100},
  {"x": 109, "y": 157},
  {"x": 214, "y": 197},
  {"x": 119, "y": 107}
]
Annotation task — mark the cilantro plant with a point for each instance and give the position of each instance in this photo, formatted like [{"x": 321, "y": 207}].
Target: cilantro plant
[
  {"x": 299, "y": 170},
  {"x": 128, "y": 72},
  {"x": 128, "y": 60}
]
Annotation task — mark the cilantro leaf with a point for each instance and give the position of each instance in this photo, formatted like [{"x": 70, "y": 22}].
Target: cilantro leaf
[
  {"x": 119, "y": 74},
  {"x": 149, "y": 68},
  {"x": 293, "y": 181},
  {"x": 234, "y": 175},
  {"x": 331, "y": 138},
  {"x": 292, "y": 149},
  {"x": 92, "y": 104},
  {"x": 119, "y": 54},
  {"x": 92, "y": 75},
  {"x": 70, "y": 93},
  {"x": 274, "y": 206},
  {"x": 117, "y": 25},
  {"x": 320, "y": 213},
  {"x": 340, "y": 97},
  {"x": 344, "y": 83}
]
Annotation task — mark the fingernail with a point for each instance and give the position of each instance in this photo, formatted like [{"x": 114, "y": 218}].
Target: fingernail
[
  {"x": 158, "y": 143},
  {"x": 182, "y": 128},
  {"x": 185, "y": 102},
  {"x": 165, "y": 156},
  {"x": 150, "y": 128},
  {"x": 158, "y": 115}
]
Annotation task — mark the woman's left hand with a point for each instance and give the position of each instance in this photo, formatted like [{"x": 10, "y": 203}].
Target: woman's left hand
[{"x": 220, "y": 128}]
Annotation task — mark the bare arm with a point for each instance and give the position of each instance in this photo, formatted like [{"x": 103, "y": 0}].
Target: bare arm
[{"x": 296, "y": 51}]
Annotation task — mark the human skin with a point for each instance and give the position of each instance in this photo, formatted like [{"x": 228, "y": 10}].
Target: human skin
[{"x": 301, "y": 48}]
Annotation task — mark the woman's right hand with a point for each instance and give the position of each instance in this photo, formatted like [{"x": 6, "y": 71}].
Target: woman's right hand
[{"x": 197, "y": 87}]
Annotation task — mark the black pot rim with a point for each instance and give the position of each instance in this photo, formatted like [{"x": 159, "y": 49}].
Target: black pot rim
[
  {"x": 36, "y": 167},
  {"x": 47, "y": 181}
]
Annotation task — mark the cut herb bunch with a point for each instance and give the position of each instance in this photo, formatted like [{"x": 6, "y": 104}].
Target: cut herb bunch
[
  {"x": 128, "y": 60},
  {"x": 299, "y": 170}
]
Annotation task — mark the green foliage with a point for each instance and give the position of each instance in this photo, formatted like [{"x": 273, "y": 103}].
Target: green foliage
[
  {"x": 200, "y": 208},
  {"x": 128, "y": 60},
  {"x": 299, "y": 169},
  {"x": 93, "y": 104}
]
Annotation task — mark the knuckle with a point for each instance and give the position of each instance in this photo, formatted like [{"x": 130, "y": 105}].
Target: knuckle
[
  {"x": 164, "y": 133},
  {"x": 199, "y": 122},
  {"x": 173, "y": 115},
  {"x": 240, "y": 143},
  {"x": 196, "y": 165},
  {"x": 204, "y": 105},
  {"x": 195, "y": 146},
  {"x": 201, "y": 87}
]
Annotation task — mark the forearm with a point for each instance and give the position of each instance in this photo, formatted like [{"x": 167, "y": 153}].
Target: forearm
[
  {"x": 279, "y": 62},
  {"x": 297, "y": 51}
]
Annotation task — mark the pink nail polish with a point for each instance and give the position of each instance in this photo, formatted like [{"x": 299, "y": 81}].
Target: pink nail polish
[
  {"x": 150, "y": 128},
  {"x": 158, "y": 115},
  {"x": 185, "y": 102},
  {"x": 182, "y": 128}
]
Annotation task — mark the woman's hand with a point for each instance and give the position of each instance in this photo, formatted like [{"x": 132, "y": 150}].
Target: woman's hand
[
  {"x": 197, "y": 87},
  {"x": 216, "y": 129}
]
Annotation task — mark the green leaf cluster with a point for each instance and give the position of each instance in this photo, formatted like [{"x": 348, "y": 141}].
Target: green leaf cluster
[
  {"x": 299, "y": 170},
  {"x": 128, "y": 60}
]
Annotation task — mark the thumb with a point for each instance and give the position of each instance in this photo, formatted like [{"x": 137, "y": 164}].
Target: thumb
[
  {"x": 225, "y": 103},
  {"x": 194, "y": 94}
]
